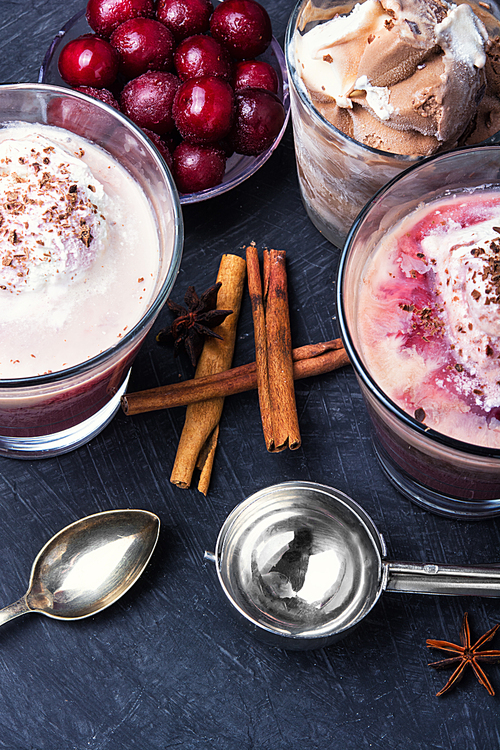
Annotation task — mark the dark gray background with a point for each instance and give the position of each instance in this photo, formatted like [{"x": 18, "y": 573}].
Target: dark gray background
[{"x": 166, "y": 667}]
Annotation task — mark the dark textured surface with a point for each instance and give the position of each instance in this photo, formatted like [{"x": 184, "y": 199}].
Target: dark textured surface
[{"x": 167, "y": 667}]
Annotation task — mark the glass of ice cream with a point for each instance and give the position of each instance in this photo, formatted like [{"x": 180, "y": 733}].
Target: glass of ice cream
[
  {"x": 419, "y": 309},
  {"x": 90, "y": 242},
  {"x": 379, "y": 85}
]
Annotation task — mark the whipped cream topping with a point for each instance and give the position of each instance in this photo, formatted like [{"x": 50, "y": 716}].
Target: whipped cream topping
[
  {"x": 466, "y": 264},
  {"x": 52, "y": 215}
]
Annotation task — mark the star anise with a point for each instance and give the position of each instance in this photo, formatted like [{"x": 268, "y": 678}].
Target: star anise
[
  {"x": 194, "y": 322},
  {"x": 466, "y": 654}
]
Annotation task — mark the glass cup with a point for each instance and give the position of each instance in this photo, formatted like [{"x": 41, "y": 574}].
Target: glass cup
[
  {"x": 337, "y": 175},
  {"x": 439, "y": 473},
  {"x": 50, "y": 414}
]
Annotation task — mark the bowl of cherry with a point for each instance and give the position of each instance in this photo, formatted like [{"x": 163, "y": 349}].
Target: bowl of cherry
[{"x": 208, "y": 85}]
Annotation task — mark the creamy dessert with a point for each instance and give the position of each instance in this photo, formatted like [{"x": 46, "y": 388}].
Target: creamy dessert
[
  {"x": 78, "y": 246},
  {"x": 406, "y": 76},
  {"x": 397, "y": 80},
  {"x": 428, "y": 319}
]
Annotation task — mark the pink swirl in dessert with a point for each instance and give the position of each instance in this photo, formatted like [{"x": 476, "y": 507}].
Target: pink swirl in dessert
[
  {"x": 51, "y": 214},
  {"x": 429, "y": 316}
]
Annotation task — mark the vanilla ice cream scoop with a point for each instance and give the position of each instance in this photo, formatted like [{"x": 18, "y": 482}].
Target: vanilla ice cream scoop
[
  {"x": 466, "y": 264},
  {"x": 52, "y": 215}
]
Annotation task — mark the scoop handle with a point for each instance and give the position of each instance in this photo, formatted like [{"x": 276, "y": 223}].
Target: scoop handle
[
  {"x": 14, "y": 610},
  {"x": 450, "y": 580}
]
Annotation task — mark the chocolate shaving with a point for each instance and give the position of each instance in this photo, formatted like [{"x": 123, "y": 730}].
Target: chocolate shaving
[
  {"x": 46, "y": 178},
  {"x": 85, "y": 235},
  {"x": 413, "y": 27}
]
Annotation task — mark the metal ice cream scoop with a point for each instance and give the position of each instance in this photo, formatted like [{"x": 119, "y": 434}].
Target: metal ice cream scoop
[
  {"x": 302, "y": 564},
  {"x": 88, "y": 565}
]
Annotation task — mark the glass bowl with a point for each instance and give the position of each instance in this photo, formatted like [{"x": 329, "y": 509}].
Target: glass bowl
[
  {"x": 438, "y": 471},
  {"x": 47, "y": 414},
  {"x": 238, "y": 167}
]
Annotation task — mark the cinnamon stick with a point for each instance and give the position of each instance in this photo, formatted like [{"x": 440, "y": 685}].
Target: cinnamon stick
[
  {"x": 198, "y": 440},
  {"x": 284, "y": 417},
  {"x": 260, "y": 337},
  {"x": 273, "y": 349},
  {"x": 308, "y": 361}
]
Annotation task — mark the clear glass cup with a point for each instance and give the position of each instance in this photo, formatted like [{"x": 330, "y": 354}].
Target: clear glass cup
[
  {"x": 51, "y": 414},
  {"x": 441, "y": 474},
  {"x": 337, "y": 175}
]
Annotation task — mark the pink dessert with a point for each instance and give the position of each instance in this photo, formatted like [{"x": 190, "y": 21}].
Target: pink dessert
[{"x": 429, "y": 316}]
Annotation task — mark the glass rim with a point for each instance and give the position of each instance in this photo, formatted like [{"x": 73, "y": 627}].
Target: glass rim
[
  {"x": 355, "y": 359},
  {"x": 295, "y": 79},
  {"x": 161, "y": 296}
]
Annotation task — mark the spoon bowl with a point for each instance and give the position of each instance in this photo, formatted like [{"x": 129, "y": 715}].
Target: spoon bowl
[{"x": 88, "y": 565}]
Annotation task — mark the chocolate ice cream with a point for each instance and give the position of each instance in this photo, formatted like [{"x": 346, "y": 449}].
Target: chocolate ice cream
[
  {"x": 379, "y": 85},
  {"x": 405, "y": 76}
]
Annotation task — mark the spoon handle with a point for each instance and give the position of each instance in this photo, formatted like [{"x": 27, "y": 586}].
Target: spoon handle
[{"x": 14, "y": 610}]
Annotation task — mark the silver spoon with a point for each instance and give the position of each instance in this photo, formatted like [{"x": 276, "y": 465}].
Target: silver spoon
[{"x": 88, "y": 565}]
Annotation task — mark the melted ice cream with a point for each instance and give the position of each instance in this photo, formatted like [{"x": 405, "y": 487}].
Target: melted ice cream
[{"x": 79, "y": 251}]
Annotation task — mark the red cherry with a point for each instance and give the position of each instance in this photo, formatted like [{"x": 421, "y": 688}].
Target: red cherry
[
  {"x": 203, "y": 109},
  {"x": 148, "y": 99},
  {"x": 256, "y": 74},
  {"x": 259, "y": 118},
  {"x": 243, "y": 26},
  {"x": 197, "y": 167},
  {"x": 102, "y": 94},
  {"x": 89, "y": 61},
  {"x": 144, "y": 44},
  {"x": 185, "y": 17},
  {"x": 104, "y": 16},
  {"x": 200, "y": 55}
]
